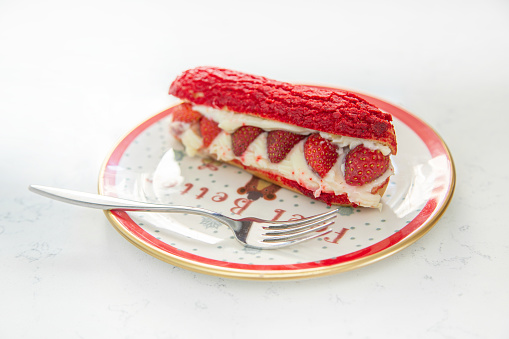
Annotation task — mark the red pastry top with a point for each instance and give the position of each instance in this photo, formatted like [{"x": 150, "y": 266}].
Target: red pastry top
[{"x": 325, "y": 110}]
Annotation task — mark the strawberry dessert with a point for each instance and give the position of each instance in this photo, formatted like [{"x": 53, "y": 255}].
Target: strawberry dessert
[{"x": 330, "y": 145}]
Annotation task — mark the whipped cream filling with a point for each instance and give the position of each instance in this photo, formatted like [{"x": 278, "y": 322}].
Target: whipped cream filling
[
  {"x": 294, "y": 166},
  {"x": 191, "y": 141},
  {"x": 229, "y": 121}
]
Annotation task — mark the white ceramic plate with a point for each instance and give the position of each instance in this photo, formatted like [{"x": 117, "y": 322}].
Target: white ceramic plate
[{"x": 416, "y": 197}]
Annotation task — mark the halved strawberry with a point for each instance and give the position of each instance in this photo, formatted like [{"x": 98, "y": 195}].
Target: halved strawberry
[
  {"x": 209, "y": 130},
  {"x": 280, "y": 143},
  {"x": 185, "y": 113},
  {"x": 363, "y": 165},
  {"x": 320, "y": 153},
  {"x": 243, "y": 137}
]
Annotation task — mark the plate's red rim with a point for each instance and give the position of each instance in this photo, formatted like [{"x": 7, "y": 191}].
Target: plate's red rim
[{"x": 427, "y": 216}]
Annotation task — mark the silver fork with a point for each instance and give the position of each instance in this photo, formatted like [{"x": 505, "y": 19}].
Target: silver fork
[{"x": 251, "y": 232}]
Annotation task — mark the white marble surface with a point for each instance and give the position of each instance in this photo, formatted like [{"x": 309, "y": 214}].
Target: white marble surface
[{"x": 76, "y": 76}]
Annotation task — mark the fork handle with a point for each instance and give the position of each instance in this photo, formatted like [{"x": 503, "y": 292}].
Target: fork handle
[{"x": 111, "y": 203}]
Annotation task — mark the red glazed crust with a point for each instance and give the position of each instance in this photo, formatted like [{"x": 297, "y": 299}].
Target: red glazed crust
[{"x": 325, "y": 110}]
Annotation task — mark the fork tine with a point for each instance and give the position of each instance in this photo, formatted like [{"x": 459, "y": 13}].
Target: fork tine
[
  {"x": 286, "y": 224},
  {"x": 284, "y": 243},
  {"x": 294, "y": 235},
  {"x": 294, "y": 228}
]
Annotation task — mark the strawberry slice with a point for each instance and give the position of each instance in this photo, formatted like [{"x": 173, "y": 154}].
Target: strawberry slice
[
  {"x": 280, "y": 143},
  {"x": 209, "y": 130},
  {"x": 184, "y": 113},
  {"x": 320, "y": 153},
  {"x": 243, "y": 137},
  {"x": 363, "y": 165}
]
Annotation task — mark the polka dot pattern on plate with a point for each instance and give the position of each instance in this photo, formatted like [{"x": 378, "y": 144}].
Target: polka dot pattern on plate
[{"x": 223, "y": 188}]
